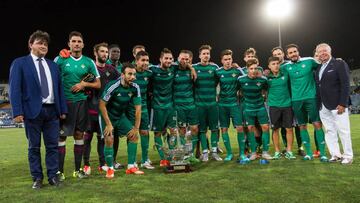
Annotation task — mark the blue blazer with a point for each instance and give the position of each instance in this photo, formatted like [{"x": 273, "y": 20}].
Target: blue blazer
[
  {"x": 334, "y": 87},
  {"x": 25, "y": 90}
]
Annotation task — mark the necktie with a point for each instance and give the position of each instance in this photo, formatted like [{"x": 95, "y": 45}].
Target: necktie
[{"x": 43, "y": 80}]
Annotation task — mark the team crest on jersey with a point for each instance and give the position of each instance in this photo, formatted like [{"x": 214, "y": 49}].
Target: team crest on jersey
[
  {"x": 303, "y": 65},
  {"x": 222, "y": 76},
  {"x": 158, "y": 74},
  {"x": 82, "y": 66},
  {"x": 283, "y": 78},
  {"x": 290, "y": 68},
  {"x": 119, "y": 95},
  {"x": 169, "y": 74},
  {"x": 210, "y": 71},
  {"x": 130, "y": 94},
  {"x": 258, "y": 84},
  {"x": 68, "y": 64},
  {"x": 246, "y": 84},
  {"x": 107, "y": 73},
  {"x": 199, "y": 71},
  {"x": 145, "y": 78},
  {"x": 233, "y": 75},
  {"x": 177, "y": 75},
  {"x": 188, "y": 74}
]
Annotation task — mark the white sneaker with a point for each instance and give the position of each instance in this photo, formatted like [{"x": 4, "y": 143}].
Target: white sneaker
[
  {"x": 105, "y": 168},
  {"x": 118, "y": 166},
  {"x": 266, "y": 155},
  {"x": 147, "y": 165},
  {"x": 205, "y": 157},
  {"x": 346, "y": 161},
  {"x": 216, "y": 156},
  {"x": 149, "y": 161},
  {"x": 253, "y": 156}
]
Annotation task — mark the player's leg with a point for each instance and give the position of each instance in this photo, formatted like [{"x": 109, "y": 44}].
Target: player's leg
[
  {"x": 203, "y": 125},
  {"x": 213, "y": 119},
  {"x": 158, "y": 123},
  {"x": 145, "y": 141},
  {"x": 108, "y": 147},
  {"x": 275, "y": 117},
  {"x": 224, "y": 118},
  {"x": 263, "y": 119}
]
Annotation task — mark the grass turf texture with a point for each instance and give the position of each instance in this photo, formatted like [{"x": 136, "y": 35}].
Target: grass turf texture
[{"x": 280, "y": 181}]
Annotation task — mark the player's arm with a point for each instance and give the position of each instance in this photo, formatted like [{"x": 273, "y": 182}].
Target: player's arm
[
  {"x": 108, "y": 128},
  {"x": 193, "y": 72},
  {"x": 15, "y": 91}
]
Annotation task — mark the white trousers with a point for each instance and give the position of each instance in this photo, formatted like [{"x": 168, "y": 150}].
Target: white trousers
[{"x": 337, "y": 124}]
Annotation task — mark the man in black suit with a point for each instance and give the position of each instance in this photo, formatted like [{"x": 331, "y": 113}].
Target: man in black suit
[
  {"x": 37, "y": 98},
  {"x": 333, "y": 89}
]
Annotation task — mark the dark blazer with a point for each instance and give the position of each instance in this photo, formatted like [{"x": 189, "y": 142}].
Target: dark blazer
[
  {"x": 334, "y": 87},
  {"x": 25, "y": 90}
]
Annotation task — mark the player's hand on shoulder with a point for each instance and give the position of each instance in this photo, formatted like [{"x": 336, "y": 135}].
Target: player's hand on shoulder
[{"x": 65, "y": 53}]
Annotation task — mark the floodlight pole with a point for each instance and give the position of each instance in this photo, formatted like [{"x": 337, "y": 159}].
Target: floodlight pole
[{"x": 279, "y": 27}]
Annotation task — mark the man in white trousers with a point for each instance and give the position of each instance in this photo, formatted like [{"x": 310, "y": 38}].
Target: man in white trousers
[{"x": 333, "y": 89}]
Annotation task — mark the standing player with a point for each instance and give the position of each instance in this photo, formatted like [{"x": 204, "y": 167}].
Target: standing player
[
  {"x": 279, "y": 102},
  {"x": 279, "y": 52},
  {"x": 73, "y": 69},
  {"x": 252, "y": 88},
  {"x": 229, "y": 107},
  {"x": 205, "y": 100},
  {"x": 186, "y": 111},
  {"x": 114, "y": 56},
  {"x": 107, "y": 73},
  {"x": 143, "y": 76},
  {"x": 303, "y": 93},
  {"x": 114, "y": 104}
]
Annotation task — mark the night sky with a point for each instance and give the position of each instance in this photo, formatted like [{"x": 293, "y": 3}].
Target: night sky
[{"x": 187, "y": 24}]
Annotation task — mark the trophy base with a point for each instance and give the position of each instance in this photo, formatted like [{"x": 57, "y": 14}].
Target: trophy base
[{"x": 178, "y": 168}]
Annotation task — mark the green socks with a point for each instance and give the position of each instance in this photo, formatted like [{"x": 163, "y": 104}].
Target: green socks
[
  {"x": 306, "y": 141},
  {"x": 203, "y": 141},
  {"x": 319, "y": 133},
  {"x": 241, "y": 142},
  {"x": 144, "y": 139},
  {"x": 159, "y": 144},
  {"x": 214, "y": 140},
  {"x": 108, "y": 153},
  {"x": 252, "y": 141},
  {"x": 131, "y": 150},
  {"x": 227, "y": 144},
  {"x": 194, "y": 140},
  {"x": 266, "y": 140}
]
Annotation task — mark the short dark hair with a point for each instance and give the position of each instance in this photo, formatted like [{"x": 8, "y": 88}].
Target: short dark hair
[
  {"x": 225, "y": 52},
  {"x": 165, "y": 51},
  {"x": 291, "y": 46},
  {"x": 276, "y": 48},
  {"x": 273, "y": 58},
  {"x": 127, "y": 65},
  {"x": 250, "y": 50},
  {"x": 185, "y": 51},
  {"x": 140, "y": 54},
  {"x": 113, "y": 46},
  {"x": 251, "y": 62},
  {"x": 76, "y": 33},
  {"x": 41, "y": 35},
  {"x": 102, "y": 44},
  {"x": 205, "y": 46},
  {"x": 137, "y": 47}
]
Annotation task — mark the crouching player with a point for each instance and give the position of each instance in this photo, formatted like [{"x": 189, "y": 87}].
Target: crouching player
[
  {"x": 279, "y": 102},
  {"x": 113, "y": 105},
  {"x": 252, "y": 88}
]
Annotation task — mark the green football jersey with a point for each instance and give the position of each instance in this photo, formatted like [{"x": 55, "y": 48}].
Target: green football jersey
[
  {"x": 205, "y": 84},
  {"x": 301, "y": 74},
  {"x": 279, "y": 90},
  {"x": 252, "y": 90},
  {"x": 162, "y": 83},
  {"x": 228, "y": 86},
  {"x": 72, "y": 72},
  {"x": 117, "y": 67},
  {"x": 119, "y": 98},
  {"x": 142, "y": 80},
  {"x": 183, "y": 90}
]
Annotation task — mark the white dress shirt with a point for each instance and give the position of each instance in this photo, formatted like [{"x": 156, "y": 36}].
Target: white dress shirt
[{"x": 50, "y": 98}]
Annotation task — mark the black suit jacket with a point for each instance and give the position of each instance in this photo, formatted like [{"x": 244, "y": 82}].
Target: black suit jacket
[{"x": 334, "y": 87}]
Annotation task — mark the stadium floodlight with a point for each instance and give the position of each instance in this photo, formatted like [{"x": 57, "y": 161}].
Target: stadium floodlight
[{"x": 279, "y": 9}]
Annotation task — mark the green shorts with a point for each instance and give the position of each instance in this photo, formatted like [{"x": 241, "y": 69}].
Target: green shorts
[
  {"x": 144, "y": 123},
  {"x": 121, "y": 126},
  {"x": 187, "y": 117},
  {"x": 305, "y": 111},
  {"x": 208, "y": 117},
  {"x": 162, "y": 119},
  {"x": 251, "y": 116},
  {"x": 227, "y": 112}
]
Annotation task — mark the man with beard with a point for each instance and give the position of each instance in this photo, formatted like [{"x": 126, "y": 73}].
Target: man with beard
[
  {"x": 107, "y": 73},
  {"x": 114, "y": 104},
  {"x": 303, "y": 95},
  {"x": 114, "y": 56}
]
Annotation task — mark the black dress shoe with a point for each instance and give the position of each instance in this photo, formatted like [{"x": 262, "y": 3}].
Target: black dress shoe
[
  {"x": 54, "y": 181},
  {"x": 37, "y": 184}
]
